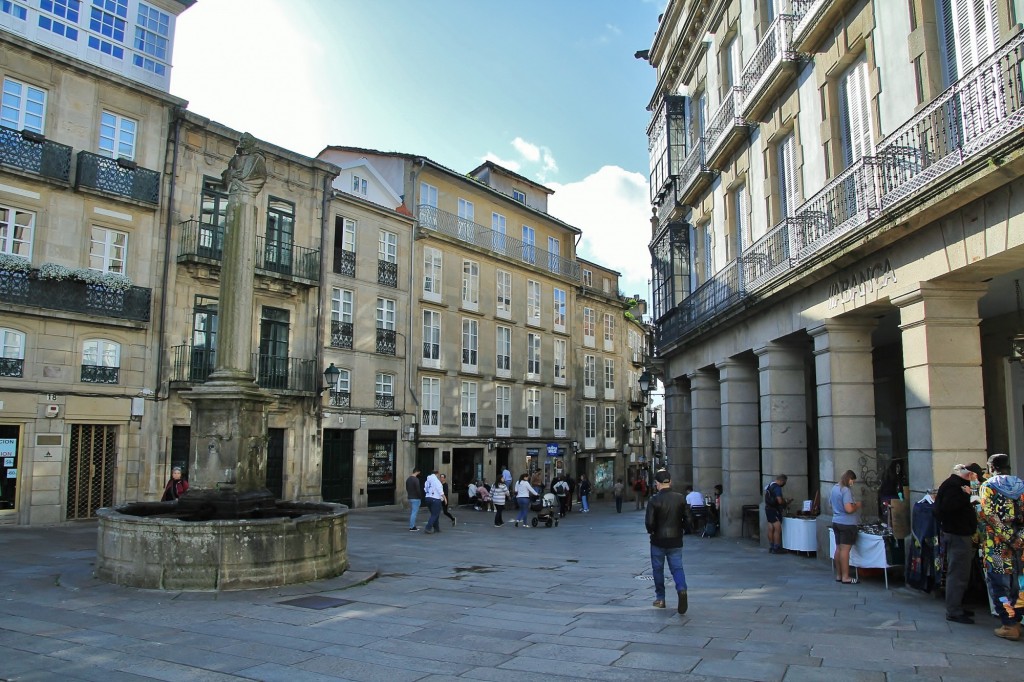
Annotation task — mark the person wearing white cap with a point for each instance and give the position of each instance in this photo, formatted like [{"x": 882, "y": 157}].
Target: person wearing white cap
[{"x": 958, "y": 522}]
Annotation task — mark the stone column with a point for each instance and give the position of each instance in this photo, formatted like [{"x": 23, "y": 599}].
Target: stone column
[
  {"x": 846, "y": 409},
  {"x": 943, "y": 379},
  {"x": 741, "y": 481},
  {"x": 678, "y": 431},
  {"x": 783, "y": 417},
  {"x": 706, "y": 413}
]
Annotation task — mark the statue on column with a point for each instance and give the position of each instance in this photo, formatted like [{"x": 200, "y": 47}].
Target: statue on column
[{"x": 247, "y": 170}]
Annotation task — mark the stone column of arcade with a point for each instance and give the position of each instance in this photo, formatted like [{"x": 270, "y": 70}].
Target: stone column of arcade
[
  {"x": 706, "y": 413},
  {"x": 741, "y": 479}
]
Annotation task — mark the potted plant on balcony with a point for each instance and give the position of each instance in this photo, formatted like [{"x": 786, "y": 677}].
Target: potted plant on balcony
[
  {"x": 14, "y": 276},
  {"x": 102, "y": 289}
]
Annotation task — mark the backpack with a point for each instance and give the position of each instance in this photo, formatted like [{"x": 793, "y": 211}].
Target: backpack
[{"x": 769, "y": 499}]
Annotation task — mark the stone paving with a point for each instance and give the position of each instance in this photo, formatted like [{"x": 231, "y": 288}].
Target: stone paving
[{"x": 476, "y": 602}]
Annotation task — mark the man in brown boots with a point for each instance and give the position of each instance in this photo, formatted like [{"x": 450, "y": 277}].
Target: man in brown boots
[
  {"x": 666, "y": 512},
  {"x": 1002, "y": 513}
]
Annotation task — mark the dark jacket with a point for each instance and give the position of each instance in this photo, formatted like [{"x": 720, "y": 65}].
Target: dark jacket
[
  {"x": 174, "y": 489},
  {"x": 666, "y": 512},
  {"x": 414, "y": 488},
  {"x": 953, "y": 507}
]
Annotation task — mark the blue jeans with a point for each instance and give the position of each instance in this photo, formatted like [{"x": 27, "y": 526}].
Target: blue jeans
[
  {"x": 414, "y": 510},
  {"x": 524, "y": 508},
  {"x": 999, "y": 586},
  {"x": 583, "y": 502},
  {"x": 435, "y": 513},
  {"x": 675, "y": 565}
]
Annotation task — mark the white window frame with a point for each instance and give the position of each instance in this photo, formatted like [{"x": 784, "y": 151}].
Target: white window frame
[
  {"x": 519, "y": 196},
  {"x": 609, "y": 378},
  {"x": 470, "y": 344},
  {"x": 741, "y": 217},
  {"x": 560, "y": 351},
  {"x": 609, "y": 427},
  {"x": 117, "y": 136},
  {"x": 554, "y": 254},
  {"x": 589, "y": 376},
  {"x": 533, "y": 357},
  {"x": 533, "y": 294},
  {"x": 101, "y": 353},
  {"x": 589, "y": 327},
  {"x": 387, "y": 247},
  {"x": 789, "y": 183},
  {"x": 533, "y": 412},
  {"x": 558, "y": 412},
  {"x": 386, "y": 314},
  {"x": 23, "y": 107},
  {"x": 384, "y": 384},
  {"x": 470, "y": 285},
  {"x": 609, "y": 332},
  {"x": 428, "y": 194},
  {"x": 502, "y": 410},
  {"x": 503, "y": 351},
  {"x": 433, "y": 270},
  {"x": 344, "y": 381},
  {"x": 529, "y": 245},
  {"x": 468, "y": 413},
  {"x": 108, "y": 250},
  {"x": 342, "y": 305},
  {"x": 590, "y": 427},
  {"x": 558, "y": 299},
  {"x": 430, "y": 410},
  {"x": 359, "y": 184},
  {"x": 498, "y": 232},
  {"x": 467, "y": 221},
  {"x": 503, "y": 282},
  {"x": 856, "y": 127},
  {"x": 431, "y": 351},
  {"x": 12, "y": 345},
  {"x": 17, "y": 230},
  {"x": 588, "y": 278},
  {"x": 348, "y": 235}
]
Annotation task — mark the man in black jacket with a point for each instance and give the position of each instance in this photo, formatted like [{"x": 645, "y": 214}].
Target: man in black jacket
[
  {"x": 666, "y": 513},
  {"x": 958, "y": 522}
]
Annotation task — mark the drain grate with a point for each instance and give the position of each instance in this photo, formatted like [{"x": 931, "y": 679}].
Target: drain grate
[
  {"x": 643, "y": 577},
  {"x": 318, "y": 603}
]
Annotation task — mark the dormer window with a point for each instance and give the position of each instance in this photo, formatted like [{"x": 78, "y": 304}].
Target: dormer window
[
  {"x": 358, "y": 185},
  {"x": 519, "y": 196}
]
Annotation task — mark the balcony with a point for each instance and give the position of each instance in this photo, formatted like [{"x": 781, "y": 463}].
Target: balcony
[
  {"x": 384, "y": 402},
  {"x": 204, "y": 243},
  {"x": 341, "y": 334},
  {"x": 345, "y": 262},
  {"x": 12, "y": 367},
  {"x": 194, "y": 364},
  {"x": 341, "y": 399},
  {"x": 436, "y": 220},
  {"x": 387, "y": 273},
  {"x": 33, "y": 153},
  {"x": 695, "y": 176},
  {"x": 726, "y": 131},
  {"x": 76, "y": 297},
  {"x": 770, "y": 68},
  {"x": 386, "y": 344},
  {"x": 118, "y": 177},
  {"x": 960, "y": 128},
  {"x": 100, "y": 374},
  {"x": 815, "y": 20}
]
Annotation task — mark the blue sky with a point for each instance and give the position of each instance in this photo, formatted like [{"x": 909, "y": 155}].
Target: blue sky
[{"x": 548, "y": 88}]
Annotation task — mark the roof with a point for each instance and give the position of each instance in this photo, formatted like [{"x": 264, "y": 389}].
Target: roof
[{"x": 505, "y": 171}]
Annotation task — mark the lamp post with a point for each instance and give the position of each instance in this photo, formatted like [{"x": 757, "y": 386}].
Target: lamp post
[
  {"x": 641, "y": 420},
  {"x": 331, "y": 380}
]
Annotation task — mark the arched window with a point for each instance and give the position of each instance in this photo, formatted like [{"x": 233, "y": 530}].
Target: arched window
[
  {"x": 12, "y": 353},
  {"x": 101, "y": 361}
]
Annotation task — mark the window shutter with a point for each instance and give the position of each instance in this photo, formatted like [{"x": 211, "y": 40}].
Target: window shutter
[
  {"x": 969, "y": 32},
  {"x": 743, "y": 238},
  {"x": 855, "y": 113},
  {"x": 709, "y": 252},
  {"x": 789, "y": 189}
]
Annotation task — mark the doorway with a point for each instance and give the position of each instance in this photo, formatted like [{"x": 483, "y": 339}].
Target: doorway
[
  {"x": 336, "y": 478},
  {"x": 10, "y": 437},
  {"x": 92, "y": 461},
  {"x": 275, "y": 462}
]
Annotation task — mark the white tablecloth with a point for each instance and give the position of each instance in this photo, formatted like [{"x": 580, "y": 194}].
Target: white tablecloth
[
  {"x": 799, "y": 535},
  {"x": 869, "y": 552}
]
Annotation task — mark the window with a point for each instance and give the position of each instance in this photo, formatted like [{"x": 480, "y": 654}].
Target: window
[
  {"x": 559, "y": 310},
  {"x": 590, "y": 424},
  {"x": 502, "y": 409},
  {"x": 588, "y": 278},
  {"x": 589, "y": 375},
  {"x": 529, "y": 244},
  {"x": 498, "y": 232},
  {"x": 16, "y": 228},
  {"x": 14, "y": 9},
  {"x": 430, "y": 417},
  {"x": 278, "y": 245},
  {"x": 358, "y": 185},
  {"x": 968, "y": 32},
  {"x": 554, "y": 255},
  {"x": 385, "y": 313},
  {"x": 533, "y": 411},
  {"x": 504, "y": 285},
  {"x": 469, "y": 406},
  {"x": 559, "y": 413},
  {"x": 855, "y": 113},
  {"x": 432, "y": 261},
  {"x": 470, "y": 339},
  {"x": 108, "y": 250},
  {"x": 101, "y": 361},
  {"x": 732, "y": 66},
  {"x": 532, "y": 302},
  {"x": 384, "y": 391},
  {"x": 152, "y": 32},
  {"x": 533, "y": 357},
  {"x": 559, "y": 361},
  {"x": 606, "y": 285},
  {"x": 503, "y": 337},
  {"x": 609, "y": 424},
  {"x": 589, "y": 326},
  {"x": 342, "y": 395},
  {"x": 470, "y": 284},
  {"x": 609, "y": 379},
  {"x": 107, "y": 20},
  {"x": 273, "y": 354},
  {"x": 341, "y": 305},
  {"x": 12, "y": 353},
  {"x": 428, "y": 194},
  {"x": 709, "y": 250},
  {"x": 204, "y": 338},
  {"x": 519, "y": 196},
  {"x": 432, "y": 336},
  {"x": 467, "y": 226},
  {"x": 117, "y": 136},
  {"x": 609, "y": 331},
  {"x": 387, "y": 247},
  {"x": 23, "y": 106},
  {"x": 789, "y": 184},
  {"x": 60, "y": 17},
  {"x": 741, "y": 217}
]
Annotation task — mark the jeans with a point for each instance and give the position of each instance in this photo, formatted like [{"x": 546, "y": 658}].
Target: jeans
[
  {"x": 999, "y": 586},
  {"x": 435, "y": 513},
  {"x": 524, "y": 508},
  {"x": 583, "y": 501},
  {"x": 959, "y": 551},
  {"x": 674, "y": 555},
  {"x": 414, "y": 510},
  {"x": 618, "y": 504},
  {"x": 498, "y": 508}
]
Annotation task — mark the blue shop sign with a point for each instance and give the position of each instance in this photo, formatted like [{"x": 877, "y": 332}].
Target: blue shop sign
[{"x": 552, "y": 449}]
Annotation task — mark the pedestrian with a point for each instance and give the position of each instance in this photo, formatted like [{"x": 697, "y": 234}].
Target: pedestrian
[
  {"x": 845, "y": 525},
  {"x": 483, "y": 493},
  {"x": 523, "y": 492},
  {"x": 433, "y": 493},
  {"x": 774, "y": 506},
  {"x": 414, "y": 491},
  {"x": 561, "y": 488},
  {"x": 572, "y": 490},
  {"x": 617, "y": 494},
  {"x": 471, "y": 495},
  {"x": 1002, "y": 512},
  {"x": 664, "y": 521},
  {"x": 176, "y": 486},
  {"x": 584, "y": 492},
  {"x": 444, "y": 505},
  {"x": 640, "y": 488},
  {"x": 499, "y": 494},
  {"x": 958, "y": 523},
  {"x": 506, "y": 476},
  {"x": 537, "y": 481}
]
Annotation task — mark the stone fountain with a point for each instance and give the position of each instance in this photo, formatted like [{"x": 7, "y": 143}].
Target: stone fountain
[{"x": 227, "y": 532}]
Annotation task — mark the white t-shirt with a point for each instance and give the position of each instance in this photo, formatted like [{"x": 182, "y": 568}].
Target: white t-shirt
[{"x": 695, "y": 499}]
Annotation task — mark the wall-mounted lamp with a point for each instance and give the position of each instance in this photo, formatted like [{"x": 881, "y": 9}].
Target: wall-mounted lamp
[
  {"x": 1017, "y": 348},
  {"x": 490, "y": 443},
  {"x": 331, "y": 375}
]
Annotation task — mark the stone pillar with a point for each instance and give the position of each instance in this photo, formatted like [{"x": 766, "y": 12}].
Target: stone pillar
[
  {"x": 783, "y": 417},
  {"x": 678, "y": 431},
  {"x": 741, "y": 481},
  {"x": 846, "y": 410},
  {"x": 943, "y": 379},
  {"x": 706, "y": 412}
]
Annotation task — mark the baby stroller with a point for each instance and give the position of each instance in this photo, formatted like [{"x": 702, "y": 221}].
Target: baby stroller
[{"x": 544, "y": 509}]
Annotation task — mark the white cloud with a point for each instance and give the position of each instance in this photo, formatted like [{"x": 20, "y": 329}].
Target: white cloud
[
  {"x": 513, "y": 166},
  {"x": 613, "y": 210},
  {"x": 527, "y": 150}
]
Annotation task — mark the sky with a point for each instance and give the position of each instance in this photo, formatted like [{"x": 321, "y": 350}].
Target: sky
[{"x": 547, "y": 88}]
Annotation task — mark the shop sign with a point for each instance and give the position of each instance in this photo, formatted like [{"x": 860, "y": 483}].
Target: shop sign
[
  {"x": 860, "y": 284},
  {"x": 552, "y": 449}
]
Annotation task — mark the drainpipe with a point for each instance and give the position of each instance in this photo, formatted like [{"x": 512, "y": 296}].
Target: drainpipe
[
  {"x": 410, "y": 389},
  {"x": 325, "y": 205}
]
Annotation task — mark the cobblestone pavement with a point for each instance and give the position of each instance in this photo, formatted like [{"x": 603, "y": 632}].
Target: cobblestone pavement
[{"x": 485, "y": 603}]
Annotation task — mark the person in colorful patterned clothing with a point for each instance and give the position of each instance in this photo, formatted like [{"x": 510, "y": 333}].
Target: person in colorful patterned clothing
[{"x": 1002, "y": 514}]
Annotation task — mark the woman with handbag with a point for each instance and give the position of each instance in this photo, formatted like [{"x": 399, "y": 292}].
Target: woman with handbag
[{"x": 523, "y": 492}]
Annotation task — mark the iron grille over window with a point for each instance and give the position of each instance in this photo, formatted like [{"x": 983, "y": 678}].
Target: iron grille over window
[
  {"x": 341, "y": 334},
  {"x": 670, "y": 265},
  {"x": 98, "y": 374},
  {"x": 11, "y": 367},
  {"x": 341, "y": 399},
  {"x": 345, "y": 262},
  {"x": 384, "y": 402},
  {"x": 386, "y": 341},
  {"x": 387, "y": 273}
]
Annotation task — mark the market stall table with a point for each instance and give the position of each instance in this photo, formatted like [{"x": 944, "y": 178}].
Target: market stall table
[
  {"x": 799, "y": 535},
  {"x": 869, "y": 552}
]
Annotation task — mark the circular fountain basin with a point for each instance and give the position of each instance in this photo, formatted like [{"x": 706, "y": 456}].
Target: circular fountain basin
[{"x": 144, "y": 545}]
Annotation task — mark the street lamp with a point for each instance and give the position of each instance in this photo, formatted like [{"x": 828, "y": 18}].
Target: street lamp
[
  {"x": 331, "y": 375},
  {"x": 644, "y": 381}
]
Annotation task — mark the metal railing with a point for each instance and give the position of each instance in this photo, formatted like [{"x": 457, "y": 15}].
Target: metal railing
[
  {"x": 345, "y": 262},
  {"x": 433, "y": 218},
  {"x": 203, "y": 240},
  {"x": 74, "y": 296},
  {"x": 341, "y": 334},
  {"x": 386, "y": 341},
  {"x": 35, "y": 154},
  {"x": 100, "y": 374},
  {"x": 384, "y": 402},
  {"x": 767, "y": 257},
  {"x": 848, "y": 201},
  {"x": 12, "y": 367},
  {"x": 693, "y": 166},
  {"x": 724, "y": 121},
  {"x": 195, "y": 364},
  {"x": 714, "y": 296},
  {"x": 341, "y": 399},
  {"x": 387, "y": 273},
  {"x": 118, "y": 176},
  {"x": 806, "y": 12},
  {"x": 770, "y": 53}
]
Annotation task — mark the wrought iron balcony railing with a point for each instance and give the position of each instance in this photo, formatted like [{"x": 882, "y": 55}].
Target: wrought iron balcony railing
[
  {"x": 341, "y": 334},
  {"x": 273, "y": 258},
  {"x": 386, "y": 344},
  {"x": 341, "y": 399},
  {"x": 74, "y": 296},
  {"x": 695, "y": 174},
  {"x": 433, "y": 218},
  {"x": 12, "y": 367},
  {"x": 384, "y": 402},
  {"x": 981, "y": 110},
  {"x": 117, "y": 176},
  {"x": 769, "y": 67},
  {"x": 345, "y": 262},
  {"x": 99, "y": 374},
  {"x": 815, "y": 19},
  {"x": 194, "y": 364},
  {"x": 34, "y": 153},
  {"x": 726, "y": 130},
  {"x": 387, "y": 273}
]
